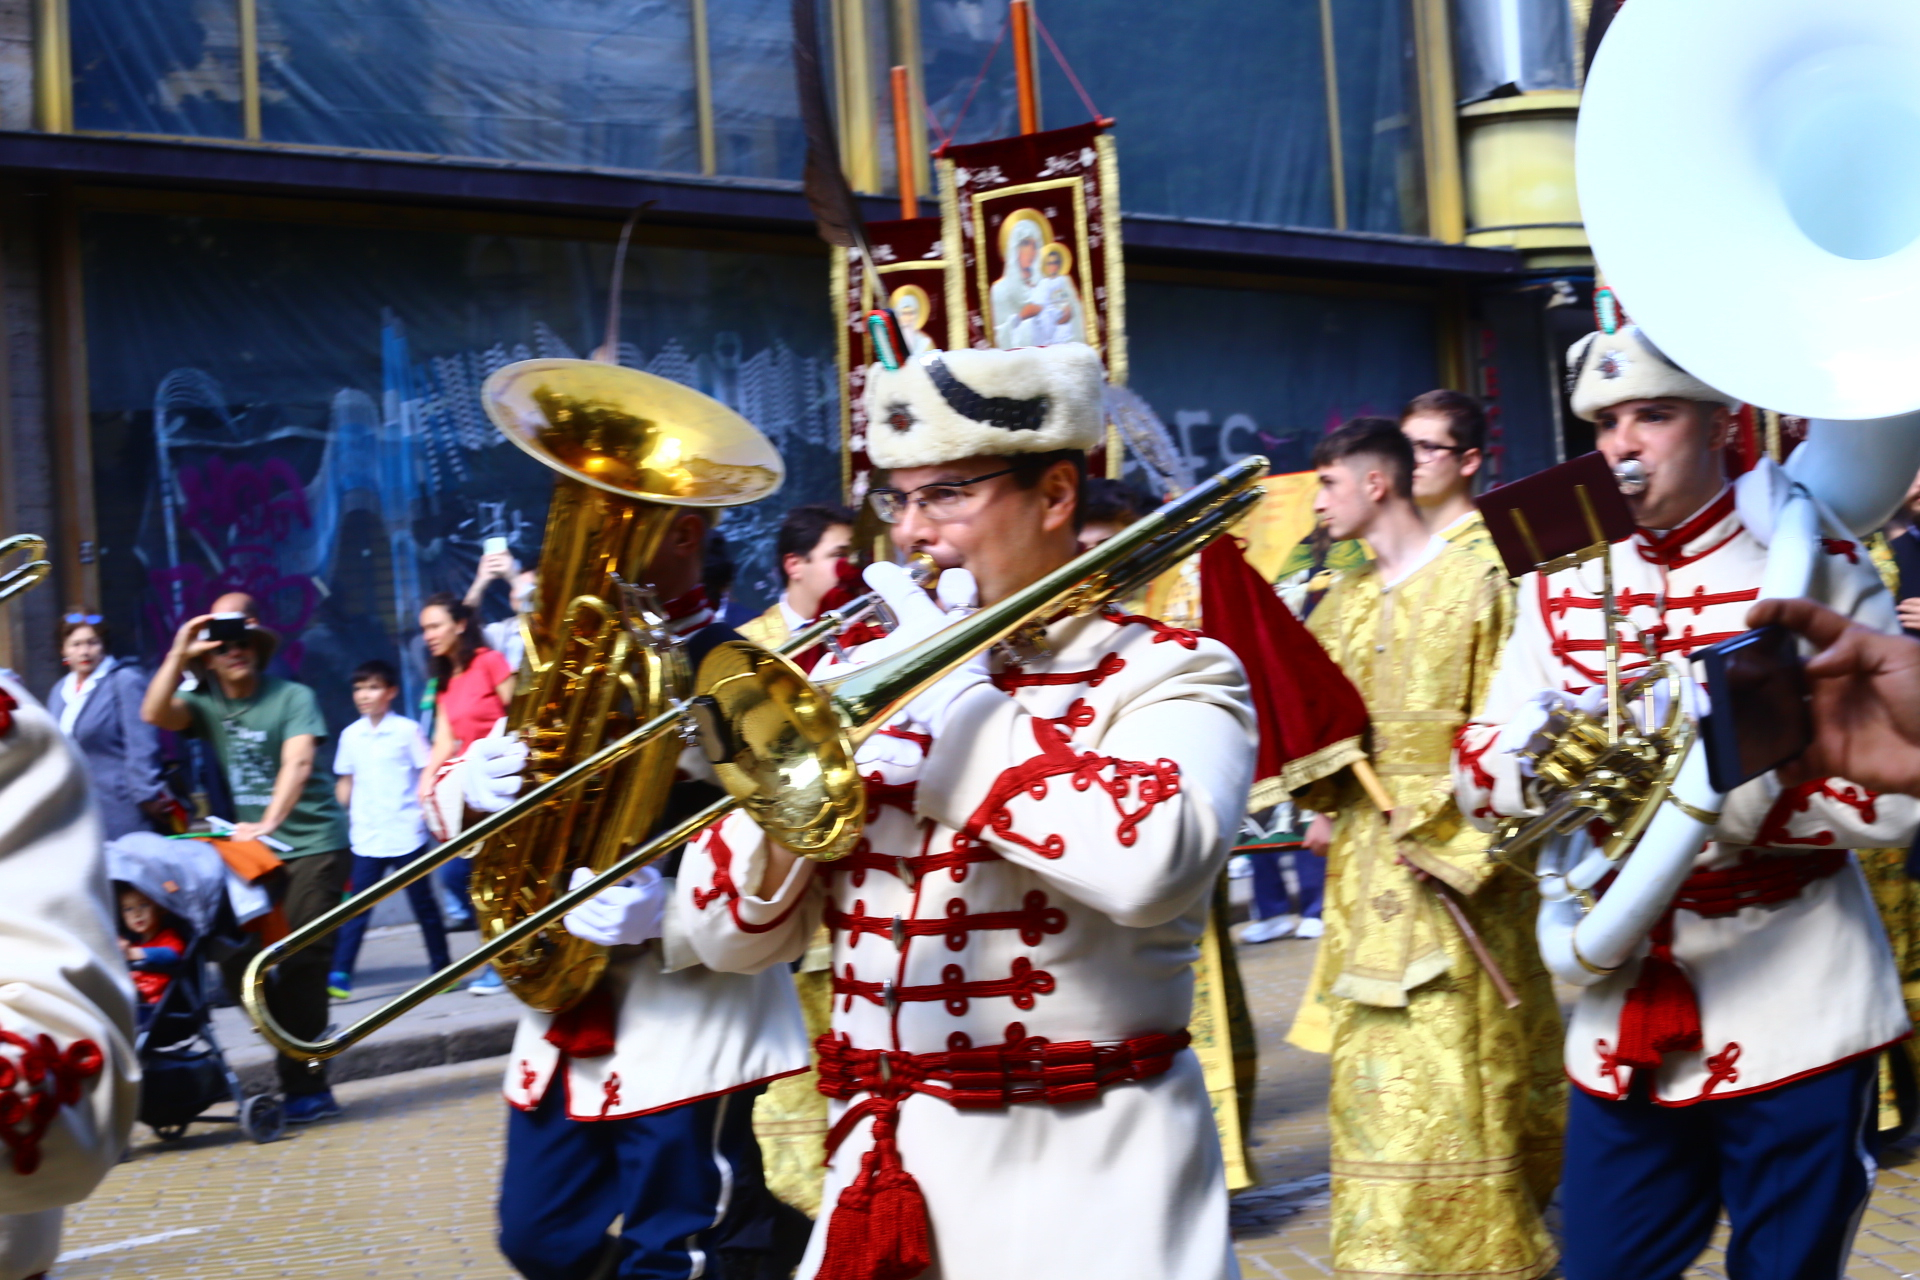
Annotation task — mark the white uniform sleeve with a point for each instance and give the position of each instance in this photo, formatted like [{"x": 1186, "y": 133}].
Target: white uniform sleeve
[
  {"x": 719, "y": 912},
  {"x": 1487, "y": 783},
  {"x": 68, "y": 1075},
  {"x": 1133, "y": 817}
]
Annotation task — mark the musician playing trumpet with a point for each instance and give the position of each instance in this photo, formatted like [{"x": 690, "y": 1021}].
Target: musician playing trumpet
[
  {"x": 1730, "y": 1059},
  {"x": 1012, "y": 939}
]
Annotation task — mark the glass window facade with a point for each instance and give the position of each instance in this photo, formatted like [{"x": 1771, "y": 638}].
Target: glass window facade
[
  {"x": 555, "y": 81},
  {"x": 1223, "y": 111},
  {"x": 157, "y": 66},
  {"x": 1239, "y": 371},
  {"x": 293, "y": 410}
]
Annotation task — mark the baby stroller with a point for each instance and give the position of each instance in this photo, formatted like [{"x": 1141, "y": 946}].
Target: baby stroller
[{"x": 183, "y": 1069}]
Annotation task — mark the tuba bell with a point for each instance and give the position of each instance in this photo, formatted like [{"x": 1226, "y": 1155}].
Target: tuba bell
[{"x": 1749, "y": 176}]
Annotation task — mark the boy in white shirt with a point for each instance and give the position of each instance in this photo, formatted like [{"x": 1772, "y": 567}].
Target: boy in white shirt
[{"x": 378, "y": 765}]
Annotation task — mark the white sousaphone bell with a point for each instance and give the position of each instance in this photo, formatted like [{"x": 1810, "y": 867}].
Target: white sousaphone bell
[{"x": 1749, "y": 175}]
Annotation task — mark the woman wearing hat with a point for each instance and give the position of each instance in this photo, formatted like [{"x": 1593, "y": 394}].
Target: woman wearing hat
[{"x": 265, "y": 732}]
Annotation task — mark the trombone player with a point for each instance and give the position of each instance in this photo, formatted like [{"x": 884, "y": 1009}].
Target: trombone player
[
  {"x": 637, "y": 1103},
  {"x": 1731, "y": 1059},
  {"x": 1012, "y": 938}
]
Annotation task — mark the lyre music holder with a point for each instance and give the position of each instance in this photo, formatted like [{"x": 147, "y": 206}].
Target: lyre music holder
[{"x": 1562, "y": 517}]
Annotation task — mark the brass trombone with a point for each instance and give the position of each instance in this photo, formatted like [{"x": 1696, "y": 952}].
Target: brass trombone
[
  {"x": 23, "y": 576},
  {"x": 782, "y": 745}
]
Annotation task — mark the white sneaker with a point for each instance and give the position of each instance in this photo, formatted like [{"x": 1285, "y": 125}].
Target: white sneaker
[
  {"x": 1271, "y": 929},
  {"x": 1311, "y": 927}
]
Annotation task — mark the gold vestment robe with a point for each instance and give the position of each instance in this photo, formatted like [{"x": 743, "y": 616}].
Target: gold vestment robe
[{"x": 1446, "y": 1107}]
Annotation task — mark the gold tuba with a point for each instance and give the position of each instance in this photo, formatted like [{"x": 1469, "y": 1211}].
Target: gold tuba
[{"x": 632, "y": 452}]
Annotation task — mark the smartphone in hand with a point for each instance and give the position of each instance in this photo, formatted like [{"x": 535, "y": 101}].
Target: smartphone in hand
[{"x": 1759, "y": 717}]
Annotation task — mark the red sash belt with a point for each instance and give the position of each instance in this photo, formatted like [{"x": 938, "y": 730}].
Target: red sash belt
[
  {"x": 1662, "y": 1013},
  {"x": 879, "y": 1226}
]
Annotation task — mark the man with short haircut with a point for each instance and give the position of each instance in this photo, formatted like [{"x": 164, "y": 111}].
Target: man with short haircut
[
  {"x": 1448, "y": 432},
  {"x": 1730, "y": 1061},
  {"x": 1445, "y": 1104},
  {"x": 1014, "y": 934},
  {"x": 265, "y": 733},
  {"x": 814, "y": 541}
]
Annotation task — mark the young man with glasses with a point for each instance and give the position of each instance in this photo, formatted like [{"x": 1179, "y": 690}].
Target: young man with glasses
[
  {"x": 1448, "y": 432},
  {"x": 1013, "y": 939}
]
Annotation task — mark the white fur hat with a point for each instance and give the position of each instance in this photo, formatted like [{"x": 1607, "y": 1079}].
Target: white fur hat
[
  {"x": 1605, "y": 369},
  {"x": 942, "y": 406}
]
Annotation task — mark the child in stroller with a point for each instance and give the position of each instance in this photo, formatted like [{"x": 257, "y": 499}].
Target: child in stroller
[
  {"x": 154, "y": 952},
  {"x": 174, "y": 898}
]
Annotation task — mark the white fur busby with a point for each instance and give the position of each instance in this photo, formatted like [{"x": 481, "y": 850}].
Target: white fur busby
[
  {"x": 942, "y": 406},
  {"x": 1605, "y": 369}
]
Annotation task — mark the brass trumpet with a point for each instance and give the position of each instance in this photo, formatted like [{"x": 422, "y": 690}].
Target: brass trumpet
[
  {"x": 24, "y": 576},
  {"x": 782, "y": 745}
]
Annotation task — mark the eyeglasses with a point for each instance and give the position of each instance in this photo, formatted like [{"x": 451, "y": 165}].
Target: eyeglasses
[
  {"x": 1428, "y": 448},
  {"x": 84, "y": 619},
  {"x": 941, "y": 500}
]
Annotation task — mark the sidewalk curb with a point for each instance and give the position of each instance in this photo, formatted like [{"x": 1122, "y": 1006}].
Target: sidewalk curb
[{"x": 384, "y": 1055}]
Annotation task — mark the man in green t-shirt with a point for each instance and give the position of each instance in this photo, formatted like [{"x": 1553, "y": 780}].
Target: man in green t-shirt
[{"x": 266, "y": 733}]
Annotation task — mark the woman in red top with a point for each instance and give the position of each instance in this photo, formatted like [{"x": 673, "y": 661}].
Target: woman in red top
[{"x": 475, "y": 684}]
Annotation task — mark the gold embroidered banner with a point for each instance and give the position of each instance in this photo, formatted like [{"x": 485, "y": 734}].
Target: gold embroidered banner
[
  {"x": 917, "y": 280},
  {"x": 1033, "y": 223}
]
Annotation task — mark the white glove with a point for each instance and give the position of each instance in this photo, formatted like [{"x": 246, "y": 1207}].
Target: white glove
[
  {"x": 921, "y": 617},
  {"x": 626, "y": 915},
  {"x": 491, "y": 774},
  {"x": 918, "y": 615},
  {"x": 901, "y": 755},
  {"x": 958, "y": 590}
]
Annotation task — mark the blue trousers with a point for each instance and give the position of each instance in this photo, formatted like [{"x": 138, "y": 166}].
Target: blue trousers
[
  {"x": 1270, "y": 896},
  {"x": 367, "y": 872},
  {"x": 688, "y": 1180},
  {"x": 1644, "y": 1184}
]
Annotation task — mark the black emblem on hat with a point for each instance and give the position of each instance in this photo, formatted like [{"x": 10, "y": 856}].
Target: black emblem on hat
[
  {"x": 900, "y": 418},
  {"x": 1003, "y": 412}
]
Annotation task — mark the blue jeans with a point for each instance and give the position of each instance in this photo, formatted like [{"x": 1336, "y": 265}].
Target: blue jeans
[
  {"x": 1643, "y": 1184},
  {"x": 368, "y": 872},
  {"x": 454, "y": 878},
  {"x": 1270, "y": 895},
  {"x": 687, "y": 1179}
]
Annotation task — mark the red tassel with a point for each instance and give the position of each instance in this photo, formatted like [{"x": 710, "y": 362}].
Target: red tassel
[
  {"x": 878, "y": 1230},
  {"x": 588, "y": 1029},
  {"x": 1661, "y": 1014}
]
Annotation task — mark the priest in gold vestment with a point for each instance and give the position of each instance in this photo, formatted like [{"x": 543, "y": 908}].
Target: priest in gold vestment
[{"x": 1446, "y": 1105}]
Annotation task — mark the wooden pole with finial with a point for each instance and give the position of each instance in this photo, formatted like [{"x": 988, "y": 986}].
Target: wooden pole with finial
[
  {"x": 903, "y": 144},
  {"x": 1023, "y": 66}
]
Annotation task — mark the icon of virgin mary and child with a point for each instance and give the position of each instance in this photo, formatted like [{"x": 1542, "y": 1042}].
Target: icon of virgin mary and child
[{"x": 1034, "y": 303}]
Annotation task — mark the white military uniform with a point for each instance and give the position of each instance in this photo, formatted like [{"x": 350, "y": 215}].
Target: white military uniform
[
  {"x": 69, "y": 1082},
  {"x": 1017, "y": 927},
  {"x": 681, "y": 1031},
  {"x": 1805, "y": 979}
]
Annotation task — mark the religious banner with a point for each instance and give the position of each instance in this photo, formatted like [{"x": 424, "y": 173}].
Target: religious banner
[
  {"x": 1034, "y": 225},
  {"x": 916, "y": 281}
]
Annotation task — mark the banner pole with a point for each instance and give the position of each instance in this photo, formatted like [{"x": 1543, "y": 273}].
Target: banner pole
[
  {"x": 1023, "y": 65},
  {"x": 903, "y": 144}
]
